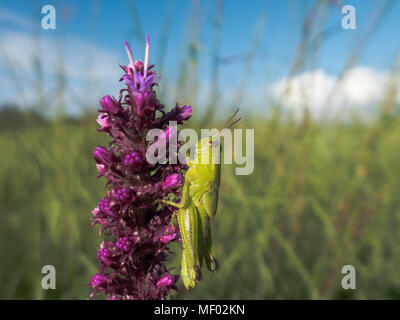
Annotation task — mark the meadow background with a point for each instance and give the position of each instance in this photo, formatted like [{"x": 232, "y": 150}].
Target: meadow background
[{"x": 324, "y": 192}]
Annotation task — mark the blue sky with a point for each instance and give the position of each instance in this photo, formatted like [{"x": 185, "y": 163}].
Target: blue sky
[{"x": 105, "y": 24}]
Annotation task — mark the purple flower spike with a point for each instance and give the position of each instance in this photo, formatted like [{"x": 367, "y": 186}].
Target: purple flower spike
[{"x": 132, "y": 259}]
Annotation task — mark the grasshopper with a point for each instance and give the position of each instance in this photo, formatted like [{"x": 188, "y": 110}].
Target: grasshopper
[{"x": 198, "y": 205}]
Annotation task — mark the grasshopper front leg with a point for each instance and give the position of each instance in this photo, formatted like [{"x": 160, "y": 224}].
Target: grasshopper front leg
[
  {"x": 171, "y": 203},
  {"x": 175, "y": 205}
]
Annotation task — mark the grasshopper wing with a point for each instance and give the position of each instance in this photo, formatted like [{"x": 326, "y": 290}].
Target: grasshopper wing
[{"x": 210, "y": 201}]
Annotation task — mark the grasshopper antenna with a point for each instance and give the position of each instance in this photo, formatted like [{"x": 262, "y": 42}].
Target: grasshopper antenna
[
  {"x": 227, "y": 125},
  {"x": 230, "y": 118},
  {"x": 233, "y": 123}
]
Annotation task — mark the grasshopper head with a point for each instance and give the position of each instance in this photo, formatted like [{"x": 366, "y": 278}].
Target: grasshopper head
[{"x": 208, "y": 151}]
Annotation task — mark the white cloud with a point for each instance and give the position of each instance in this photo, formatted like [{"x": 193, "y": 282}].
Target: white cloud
[
  {"x": 92, "y": 71},
  {"x": 358, "y": 92},
  {"x": 89, "y": 71}
]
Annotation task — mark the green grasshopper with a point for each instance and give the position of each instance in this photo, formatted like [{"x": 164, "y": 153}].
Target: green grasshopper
[{"x": 198, "y": 205}]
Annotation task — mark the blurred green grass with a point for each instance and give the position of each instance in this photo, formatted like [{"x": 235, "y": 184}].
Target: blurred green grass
[{"x": 321, "y": 196}]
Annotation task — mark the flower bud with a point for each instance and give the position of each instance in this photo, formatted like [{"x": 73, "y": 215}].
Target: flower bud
[
  {"x": 95, "y": 211},
  {"x": 103, "y": 156},
  {"x": 105, "y": 255},
  {"x": 104, "y": 121},
  {"x": 171, "y": 182},
  {"x": 105, "y": 205},
  {"x": 109, "y": 104},
  {"x": 124, "y": 244},
  {"x": 165, "y": 281},
  {"x": 169, "y": 237},
  {"x": 133, "y": 160},
  {"x": 123, "y": 195},
  {"x": 101, "y": 168},
  {"x": 98, "y": 281},
  {"x": 185, "y": 112}
]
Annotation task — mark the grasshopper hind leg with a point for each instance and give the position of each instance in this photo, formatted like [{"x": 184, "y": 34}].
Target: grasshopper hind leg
[
  {"x": 209, "y": 253},
  {"x": 189, "y": 224}
]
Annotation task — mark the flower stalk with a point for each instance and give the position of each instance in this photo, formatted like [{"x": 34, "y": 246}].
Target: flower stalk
[{"x": 136, "y": 228}]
